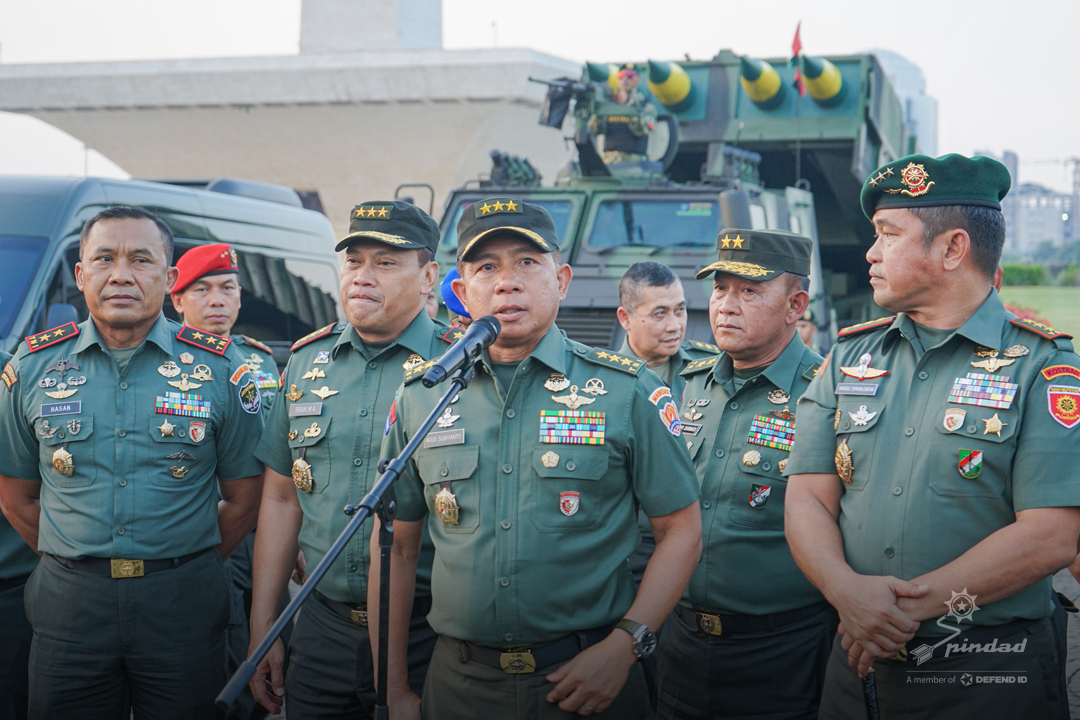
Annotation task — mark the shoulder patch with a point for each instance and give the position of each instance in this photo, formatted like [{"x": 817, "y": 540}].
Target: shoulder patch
[
  {"x": 51, "y": 337},
  {"x": 207, "y": 341},
  {"x": 312, "y": 336},
  {"x": 863, "y": 327},
  {"x": 629, "y": 365},
  {"x": 452, "y": 334},
  {"x": 812, "y": 372},
  {"x": 419, "y": 370},
  {"x": 10, "y": 376},
  {"x": 1039, "y": 329},
  {"x": 255, "y": 343},
  {"x": 705, "y": 347},
  {"x": 699, "y": 365}
]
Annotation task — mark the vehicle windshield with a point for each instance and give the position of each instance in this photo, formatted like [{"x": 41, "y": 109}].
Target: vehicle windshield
[
  {"x": 21, "y": 256},
  {"x": 560, "y": 211},
  {"x": 655, "y": 223}
]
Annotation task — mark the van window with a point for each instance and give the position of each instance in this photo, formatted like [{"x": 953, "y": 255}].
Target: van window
[
  {"x": 20, "y": 256},
  {"x": 560, "y": 211},
  {"x": 655, "y": 223}
]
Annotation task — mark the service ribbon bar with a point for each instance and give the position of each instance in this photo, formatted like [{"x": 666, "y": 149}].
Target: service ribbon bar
[
  {"x": 182, "y": 404},
  {"x": 572, "y": 427},
  {"x": 993, "y": 391},
  {"x": 771, "y": 432}
]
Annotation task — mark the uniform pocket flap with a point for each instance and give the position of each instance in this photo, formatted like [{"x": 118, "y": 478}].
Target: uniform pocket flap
[
  {"x": 307, "y": 432},
  {"x": 570, "y": 461},
  {"x": 976, "y": 423},
  {"x": 445, "y": 464},
  {"x": 859, "y": 415},
  {"x": 56, "y": 431},
  {"x": 172, "y": 429}
]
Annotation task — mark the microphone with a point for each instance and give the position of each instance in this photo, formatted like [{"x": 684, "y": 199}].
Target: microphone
[{"x": 481, "y": 333}]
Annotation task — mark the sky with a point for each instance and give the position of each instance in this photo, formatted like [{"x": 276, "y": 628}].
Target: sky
[{"x": 1000, "y": 69}]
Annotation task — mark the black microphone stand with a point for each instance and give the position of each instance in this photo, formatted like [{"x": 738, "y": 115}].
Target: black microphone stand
[{"x": 379, "y": 500}]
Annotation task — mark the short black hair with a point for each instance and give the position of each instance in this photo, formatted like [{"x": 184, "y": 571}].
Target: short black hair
[
  {"x": 797, "y": 282},
  {"x": 424, "y": 256},
  {"x": 643, "y": 274},
  {"x": 127, "y": 212},
  {"x": 985, "y": 226}
]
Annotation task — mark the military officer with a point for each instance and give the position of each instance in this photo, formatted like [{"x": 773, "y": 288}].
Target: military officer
[
  {"x": 207, "y": 297},
  {"x": 531, "y": 592},
  {"x": 17, "y": 561},
  {"x": 321, "y": 449},
  {"x": 129, "y": 428},
  {"x": 933, "y": 484},
  {"x": 751, "y": 636},
  {"x": 626, "y": 135}
]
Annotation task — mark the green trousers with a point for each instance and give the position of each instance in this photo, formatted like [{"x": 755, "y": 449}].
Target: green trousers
[{"x": 15, "y": 636}]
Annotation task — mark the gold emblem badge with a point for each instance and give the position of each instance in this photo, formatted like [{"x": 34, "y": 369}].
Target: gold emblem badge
[
  {"x": 573, "y": 400},
  {"x": 556, "y": 382},
  {"x": 178, "y": 472},
  {"x": 994, "y": 425},
  {"x": 324, "y": 392},
  {"x": 186, "y": 358},
  {"x": 549, "y": 459},
  {"x": 62, "y": 391},
  {"x": 301, "y": 475},
  {"x": 413, "y": 361},
  {"x": 447, "y": 507},
  {"x": 863, "y": 371},
  {"x": 594, "y": 386},
  {"x": 915, "y": 179},
  {"x": 836, "y": 420},
  {"x": 166, "y": 428},
  {"x": 751, "y": 458},
  {"x": 784, "y": 414},
  {"x": 1015, "y": 351},
  {"x": 183, "y": 384},
  {"x": 447, "y": 419},
  {"x": 254, "y": 360},
  {"x": 293, "y": 434},
  {"x": 843, "y": 460},
  {"x": 126, "y": 568},
  {"x": 517, "y": 663},
  {"x": 313, "y": 374},
  {"x": 63, "y": 462},
  {"x": 202, "y": 372},
  {"x": 314, "y": 431},
  {"x": 293, "y": 395},
  {"x": 782, "y": 465},
  {"x": 169, "y": 369},
  {"x": 779, "y": 397},
  {"x": 992, "y": 363}
]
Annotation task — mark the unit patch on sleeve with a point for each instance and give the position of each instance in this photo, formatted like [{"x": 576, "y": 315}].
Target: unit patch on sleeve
[
  {"x": 669, "y": 414},
  {"x": 993, "y": 391},
  {"x": 1056, "y": 371},
  {"x": 10, "y": 377},
  {"x": 207, "y": 341},
  {"x": 51, "y": 337},
  {"x": 1064, "y": 404},
  {"x": 659, "y": 394},
  {"x": 173, "y": 403},
  {"x": 572, "y": 427},
  {"x": 250, "y": 399},
  {"x": 771, "y": 432}
]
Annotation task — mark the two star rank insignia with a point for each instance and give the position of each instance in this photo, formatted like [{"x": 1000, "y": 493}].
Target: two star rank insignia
[{"x": 207, "y": 341}]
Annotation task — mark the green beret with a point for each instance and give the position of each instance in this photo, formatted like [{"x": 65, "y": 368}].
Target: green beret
[
  {"x": 505, "y": 216},
  {"x": 922, "y": 181},
  {"x": 392, "y": 222},
  {"x": 760, "y": 254}
]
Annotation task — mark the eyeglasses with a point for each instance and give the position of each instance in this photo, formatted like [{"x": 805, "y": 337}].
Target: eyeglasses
[{"x": 631, "y": 74}]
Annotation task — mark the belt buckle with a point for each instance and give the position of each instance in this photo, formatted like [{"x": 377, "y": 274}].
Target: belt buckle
[
  {"x": 900, "y": 655},
  {"x": 359, "y": 617},
  {"x": 120, "y": 568},
  {"x": 517, "y": 663},
  {"x": 710, "y": 624}
]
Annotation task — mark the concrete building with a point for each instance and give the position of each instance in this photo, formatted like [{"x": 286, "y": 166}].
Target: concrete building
[
  {"x": 1043, "y": 216},
  {"x": 920, "y": 110},
  {"x": 1009, "y": 205},
  {"x": 371, "y": 101}
]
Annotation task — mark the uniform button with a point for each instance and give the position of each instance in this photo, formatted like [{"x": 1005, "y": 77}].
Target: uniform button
[
  {"x": 372, "y": 365},
  {"x": 971, "y": 429},
  {"x": 357, "y": 462},
  {"x": 505, "y": 524},
  {"x": 61, "y": 435},
  {"x": 510, "y": 413},
  {"x": 352, "y": 568},
  {"x": 847, "y": 424},
  {"x": 734, "y": 405},
  {"x": 909, "y": 431},
  {"x": 122, "y": 433},
  {"x": 923, "y": 375},
  {"x": 504, "y": 581},
  {"x": 719, "y": 453},
  {"x": 508, "y": 637},
  {"x": 182, "y": 432},
  {"x": 889, "y": 552},
  {"x": 766, "y": 466},
  {"x": 120, "y": 531},
  {"x": 571, "y": 465},
  {"x": 123, "y": 385},
  {"x": 897, "y": 490},
  {"x": 363, "y": 412},
  {"x": 706, "y": 504},
  {"x": 123, "y": 482},
  {"x": 508, "y": 469},
  {"x": 444, "y": 472}
]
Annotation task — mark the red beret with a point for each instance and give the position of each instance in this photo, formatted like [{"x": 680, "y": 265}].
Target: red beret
[{"x": 216, "y": 259}]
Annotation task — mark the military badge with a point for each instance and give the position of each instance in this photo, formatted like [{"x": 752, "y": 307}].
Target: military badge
[
  {"x": 202, "y": 373},
  {"x": 572, "y": 427},
  {"x": 62, "y": 461},
  {"x": 759, "y": 495},
  {"x": 447, "y": 419},
  {"x": 1064, "y": 404},
  {"x": 549, "y": 460},
  {"x": 391, "y": 417},
  {"x": 659, "y": 394},
  {"x": 10, "y": 377},
  {"x": 182, "y": 456},
  {"x": 954, "y": 419},
  {"x": 844, "y": 461},
  {"x": 1015, "y": 351},
  {"x": 186, "y": 358},
  {"x": 182, "y": 404},
  {"x": 992, "y": 391},
  {"x": 771, "y": 432},
  {"x": 166, "y": 428},
  {"x": 784, "y": 414},
  {"x": 313, "y": 374},
  {"x": 994, "y": 425},
  {"x": 569, "y": 503},
  {"x": 970, "y": 463},
  {"x": 293, "y": 395},
  {"x": 669, "y": 414},
  {"x": 782, "y": 465},
  {"x": 836, "y": 419},
  {"x": 413, "y": 361},
  {"x": 863, "y": 371},
  {"x": 63, "y": 391},
  {"x": 207, "y": 341},
  {"x": 178, "y": 472},
  {"x": 323, "y": 357},
  {"x": 779, "y": 397},
  {"x": 594, "y": 386},
  {"x": 184, "y": 384},
  {"x": 253, "y": 360},
  {"x": 556, "y": 382},
  {"x": 51, "y": 337},
  {"x": 47, "y": 431},
  {"x": 196, "y": 431},
  {"x": 915, "y": 179},
  {"x": 991, "y": 362},
  {"x": 324, "y": 392},
  {"x": 751, "y": 458},
  {"x": 862, "y": 417},
  {"x": 1051, "y": 373},
  {"x": 573, "y": 400},
  {"x": 74, "y": 427},
  {"x": 313, "y": 432},
  {"x": 293, "y": 434},
  {"x": 301, "y": 475},
  {"x": 250, "y": 399},
  {"x": 169, "y": 369},
  {"x": 446, "y": 505},
  {"x": 238, "y": 373}
]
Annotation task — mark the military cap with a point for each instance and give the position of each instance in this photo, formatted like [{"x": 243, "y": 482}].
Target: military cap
[
  {"x": 392, "y": 222},
  {"x": 922, "y": 181},
  {"x": 760, "y": 254},
  {"x": 198, "y": 262},
  {"x": 505, "y": 216}
]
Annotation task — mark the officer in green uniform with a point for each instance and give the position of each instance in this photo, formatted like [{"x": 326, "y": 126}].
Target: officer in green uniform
[
  {"x": 17, "y": 561},
  {"x": 626, "y": 135},
  {"x": 126, "y": 426},
  {"x": 751, "y": 636},
  {"x": 321, "y": 448},
  {"x": 530, "y": 484},
  {"x": 933, "y": 484},
  {"x": 207, "y": 297}
]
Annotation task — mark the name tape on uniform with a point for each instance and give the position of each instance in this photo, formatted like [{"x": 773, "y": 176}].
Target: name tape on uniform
[
  {"x": 67, "y": 408},
  {"x": 572, "y": 427},
  {"x": 992, "y": 391},
  {"x": 441, "y": 438},
  {"x": 305, "y": 409},
  {"x": 869, "y": 389}
]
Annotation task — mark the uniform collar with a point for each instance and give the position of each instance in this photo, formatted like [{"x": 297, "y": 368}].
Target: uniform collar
[
  {"x": 416, "y": 338},
  {"x": 160, "y": 335},
  {"x": 982, "y": 328},
  {"x": 683, "y": 355},
  {"x": 781, "y": 372},
  {"x": 551, "y": 351}
]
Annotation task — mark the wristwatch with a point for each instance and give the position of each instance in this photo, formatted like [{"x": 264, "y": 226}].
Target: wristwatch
[{"x": 644, "y": 639}]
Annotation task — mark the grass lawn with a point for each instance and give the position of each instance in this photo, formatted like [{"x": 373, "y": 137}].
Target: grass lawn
[{"x": 1059, "y": 305}]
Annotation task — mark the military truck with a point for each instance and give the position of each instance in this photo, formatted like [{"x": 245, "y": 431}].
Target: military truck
[
  {"x": 737, "y": 145},
  {"x": 288, "y": 267}
]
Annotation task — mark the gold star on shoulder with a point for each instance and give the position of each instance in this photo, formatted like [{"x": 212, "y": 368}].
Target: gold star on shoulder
[
  {"x": 485, "y": 209},
  {"x": 511, "y": 206},
  {"x": 994, "y": 425},
  {"x": 197, "y": 336},
  {"x": 602, "y": 355}
]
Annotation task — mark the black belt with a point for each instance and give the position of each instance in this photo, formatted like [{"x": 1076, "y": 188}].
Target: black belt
[
  {"x": 357, "y": 614},
  {"x": 980, "y": 635},
  {"x": 120, "y": 568},
  {"x": 9, "y": 583},
  {"x": 718, "y": 624},
  {"x": 527, "y": 660}
]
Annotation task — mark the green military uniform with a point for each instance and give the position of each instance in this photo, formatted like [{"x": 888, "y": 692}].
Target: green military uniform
[
  {"x": 326, "y": 433},
  {"x": 939, "y": 438},
  {"x": 626, "y": 134},
  {"x": 751, "y": 635},
  {"x": 532, "y": 537},
  {"x": 17, "y": 561},
  {"x": 129, "y": 446}
]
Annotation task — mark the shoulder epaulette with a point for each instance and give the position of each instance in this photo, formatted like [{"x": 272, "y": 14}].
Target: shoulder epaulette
[
  {"x": 863, "y": 327},
  {"x": 207, "y": 341},
  {"x": 629, "y": 365},
  {"x": 418, "y": 371},
  {"x": 255, "y": 343},
  {"x": 706, "y": 347},
  {"x": 699, "y": 365},
  {"x": 51, "y": 337},
  {"x": 452, "y": 334},
  {"x": 321, "y": 332},
  {"x": 1039, "y": 329},
  {"x": 812, "y": 372}
]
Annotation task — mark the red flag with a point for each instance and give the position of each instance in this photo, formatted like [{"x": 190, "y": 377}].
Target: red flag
[
  {"x": 796, "y": 44},
  {"x": 796, "y": 49}
]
